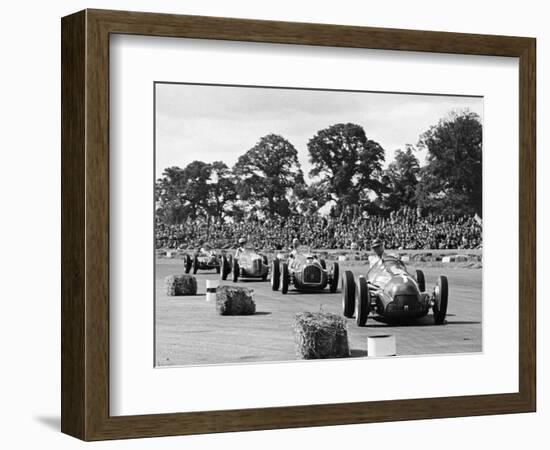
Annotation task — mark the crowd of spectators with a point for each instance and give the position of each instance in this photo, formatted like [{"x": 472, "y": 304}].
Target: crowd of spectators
[{"x": 405, "y": 229}]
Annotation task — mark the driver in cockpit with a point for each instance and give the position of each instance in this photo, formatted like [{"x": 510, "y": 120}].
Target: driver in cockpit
[
  {"x": 240, "y": 249},
  {"x": 294, "y": 246},
  {"x": 378, "y": 248}
]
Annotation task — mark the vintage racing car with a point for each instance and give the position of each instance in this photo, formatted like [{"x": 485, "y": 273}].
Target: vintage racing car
[
  {"x": 305, "y": 271},
  {"x": 393, "y": 293},
  {"x": 247, "y": 264},
  {"x": 202, "y": 260}
]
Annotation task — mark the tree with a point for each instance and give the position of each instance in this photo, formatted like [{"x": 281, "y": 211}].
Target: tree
[
  {"x": 347, "y": 164},
  {"x": 196, "y": 176},
  {"x": 309, "y": 199},
  {"x": 451, "y": 182},
  {"x": 400, "y": 180},
  {"x": 171, "y": 206},
  {"x": 268, "y": 173},
  {"x": 199, "y": 190},
  {"x": 221, "y": 190}
]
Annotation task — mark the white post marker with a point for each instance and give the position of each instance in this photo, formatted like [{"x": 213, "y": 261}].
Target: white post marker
[
  {"x": 381, "y": 345},
  {"x": 211, "y": 286}
]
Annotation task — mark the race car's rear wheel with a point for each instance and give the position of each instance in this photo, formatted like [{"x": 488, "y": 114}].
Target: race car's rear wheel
[
  {"x": 225, "y": 267},
  {"x": 275, "y": 275},
  {"x": 188, "y": 263},
  {"x": 421, "y": 281},
  {"x": 235, "y": 271},
  {"x": 441, "y": 299},
  {"x": 348, "y": 294},
  {"x": 362, "y": 301},
  {"x": 285, "y": 278},
  {"x": 334, "y": 277},
  {"x": 195, "y": 264},
  {"x": 265, "y": 266}
]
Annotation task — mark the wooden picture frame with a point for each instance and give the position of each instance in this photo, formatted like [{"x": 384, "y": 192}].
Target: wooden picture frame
[{"x": 85, "y": 224}]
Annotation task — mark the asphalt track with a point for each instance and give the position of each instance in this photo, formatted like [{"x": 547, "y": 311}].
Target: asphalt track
[{"x": 188, "y": 330}]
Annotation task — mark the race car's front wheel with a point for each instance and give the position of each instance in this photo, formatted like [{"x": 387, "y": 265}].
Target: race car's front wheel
[
  {"x": 441, "y": 299},
  {"x": 275, "y": 275},
  {"x": 225, "y": 268},
  {"x": 420, "y": 280},
  {"x": 188, "y": 263},
  {"x": 334, "y": 277},
  {"x": 285, "y": 278},
  {"x": 362, "y": 301},
  {"x": 235, "y": 271},
  {"x": 348, "y": 294}
]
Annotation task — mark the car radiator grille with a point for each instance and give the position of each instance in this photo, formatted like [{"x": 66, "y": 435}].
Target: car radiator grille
[
  {"x": 312, "y": 274},
  {"x": 257, "y": 265},
  {"x": 406, "y": 302}
]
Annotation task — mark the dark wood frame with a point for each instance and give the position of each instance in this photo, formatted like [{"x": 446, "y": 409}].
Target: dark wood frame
[{"x": 85, "y": 224}]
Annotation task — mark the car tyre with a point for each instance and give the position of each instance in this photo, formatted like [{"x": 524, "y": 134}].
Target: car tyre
[
  {"x": 195, "y": 264},
  {"x": 334, "y": 277},
  {"x": 188, "y": 263},
  {"x": 362, "y": 301},
  {"x": 348, "y": 294},
  {"x": 323, "y": 264},
  {"x": 441, "y": 299},
  {"x": 225, "y": 268},
  {"x": 235, "y": 271},
  {"x": 421, "y": 281},
  {"x": 275, "y": 275},
  {"x": 285, "y": 278}
]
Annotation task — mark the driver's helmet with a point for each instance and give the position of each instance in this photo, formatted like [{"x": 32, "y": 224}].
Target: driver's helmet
[
  {"x": 377, "y": 243},
  {"x": 242, "y": 241},
  {"x": 295, "y": 242}
]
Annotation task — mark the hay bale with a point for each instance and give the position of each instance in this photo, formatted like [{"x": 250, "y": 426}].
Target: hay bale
[
  {"x": 234, "y": 301},
  {"x": 320, "y": 335},
  {"x": 180, "y": 285}
]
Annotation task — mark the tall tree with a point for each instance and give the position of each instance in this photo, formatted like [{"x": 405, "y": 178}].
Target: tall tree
[
  {"x": 221, "y": 190},
  {"x": 401, "y": 179},
  {"x": 171, "y": 205},
  {"x": 451, "y": 182},
  {"x": 198, "y": 190},
  {"x": 347, "y": 164},
  {"x": 268, "y": 173},
  {"x": 196, "y": 176}
]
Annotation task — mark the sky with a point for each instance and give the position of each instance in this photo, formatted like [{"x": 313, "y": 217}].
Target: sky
[{"x": 220, "y": 123}]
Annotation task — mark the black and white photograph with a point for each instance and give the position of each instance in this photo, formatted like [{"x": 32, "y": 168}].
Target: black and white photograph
[{"x": 301, "y": 223}]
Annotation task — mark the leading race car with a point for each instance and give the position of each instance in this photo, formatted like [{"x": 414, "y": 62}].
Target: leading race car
[
  {"x": 202, "y": 260},
  {"x": 305, "y": 271},
  {"x": 393, "y": 293},
  {"x": 246, "y": 264}
]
